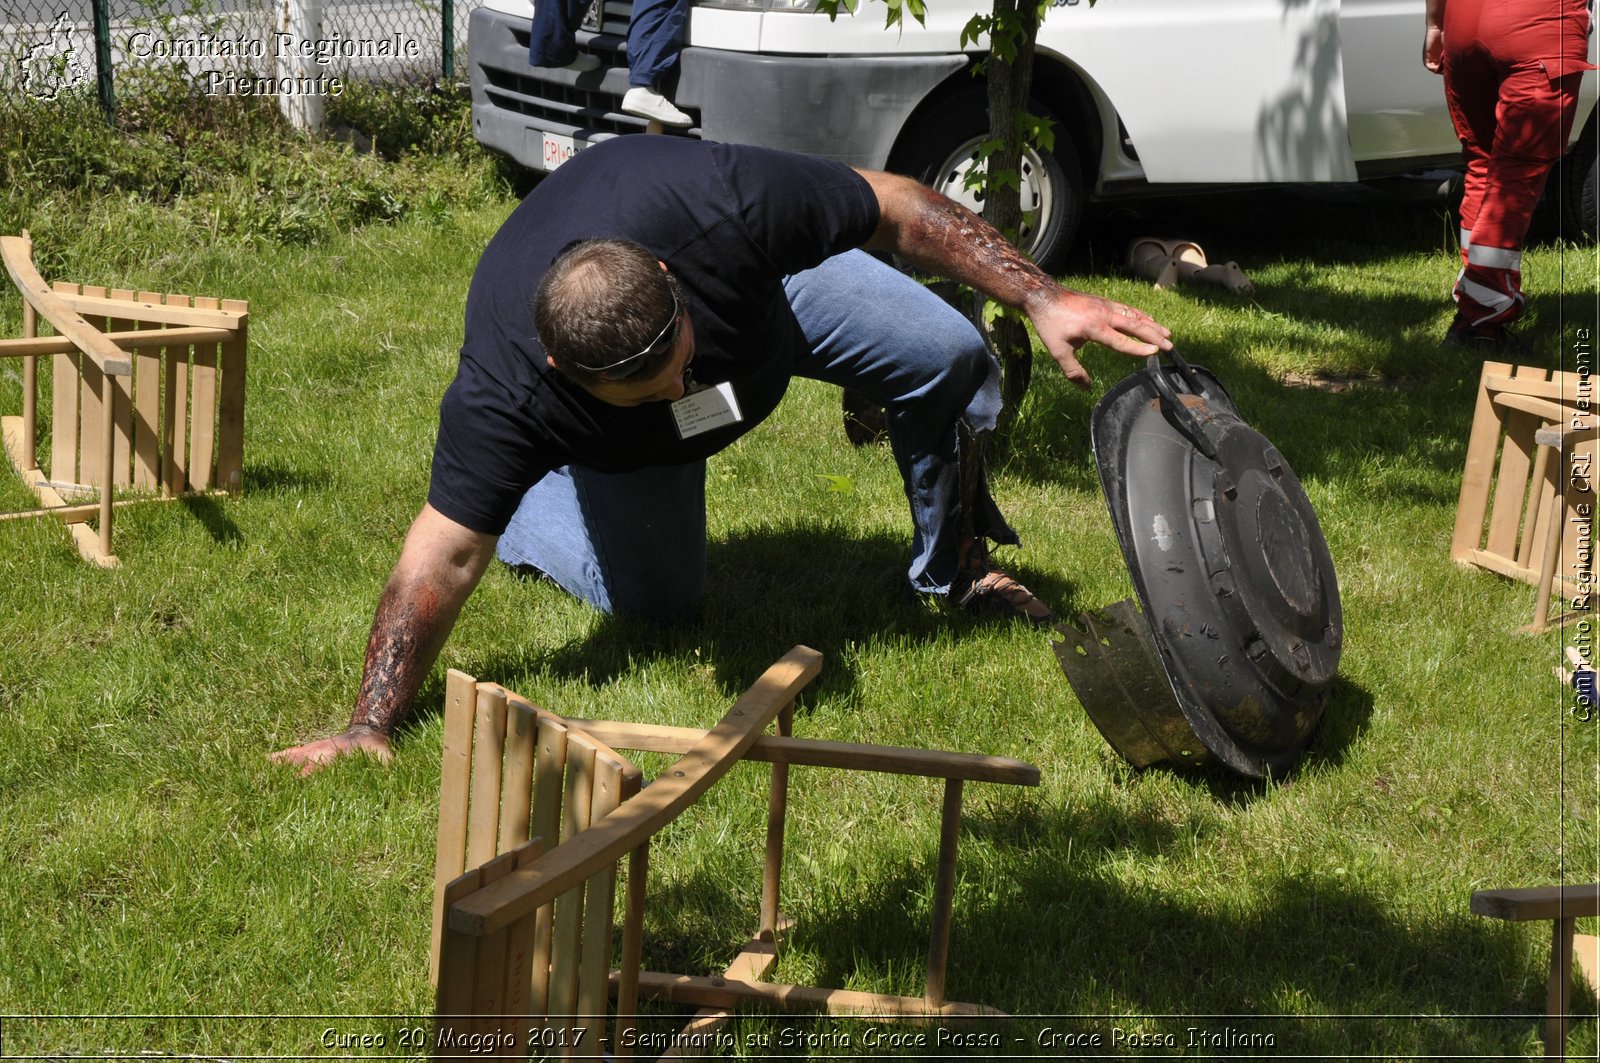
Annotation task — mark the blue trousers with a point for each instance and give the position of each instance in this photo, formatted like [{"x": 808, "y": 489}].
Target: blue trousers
[
  {"x": 655, "y": 36},
  {"x": 636, "y": 542}
]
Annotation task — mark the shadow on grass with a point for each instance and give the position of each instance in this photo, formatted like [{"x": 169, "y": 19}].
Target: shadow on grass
[
  {"x": 270, "y": 479},
  {"x": 214, "y": 518},
  {"x": 768, "y": 589},
  {"x": 1061, "y": 936}
]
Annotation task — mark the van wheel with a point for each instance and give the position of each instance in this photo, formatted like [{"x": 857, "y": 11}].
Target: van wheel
[
  {"x": 1578, "y": 178},
  {"x": 939, "y": 148}
]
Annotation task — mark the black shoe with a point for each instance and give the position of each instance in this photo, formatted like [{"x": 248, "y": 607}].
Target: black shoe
[
  {"x": 1485, "y": 339},
  {"x": 997, "y": 594}
]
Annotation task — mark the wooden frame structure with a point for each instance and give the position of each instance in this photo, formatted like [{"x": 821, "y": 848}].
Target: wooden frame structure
[
  {"x": 523, "y": 935},
  {"x": 1530, "y": 471},
  {"x": 1563, "y": 906},
  {"x": 147, "y": 394}
]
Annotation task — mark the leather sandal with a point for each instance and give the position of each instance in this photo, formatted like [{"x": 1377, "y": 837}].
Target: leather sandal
[{"x": 998, "y": 594}]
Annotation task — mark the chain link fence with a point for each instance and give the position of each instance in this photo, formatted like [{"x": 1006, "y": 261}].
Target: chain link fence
[{"x": 287, "y": 48}]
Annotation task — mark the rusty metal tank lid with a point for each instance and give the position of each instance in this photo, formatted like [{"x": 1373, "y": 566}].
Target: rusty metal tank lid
[{"x": 1234, "y": 576}]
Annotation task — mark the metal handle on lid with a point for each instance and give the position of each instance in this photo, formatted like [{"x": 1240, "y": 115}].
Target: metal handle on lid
[{"x": 1182, "y": 415}]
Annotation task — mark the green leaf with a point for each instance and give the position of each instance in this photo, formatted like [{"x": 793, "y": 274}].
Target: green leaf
[{"x": 839, "y": 485}]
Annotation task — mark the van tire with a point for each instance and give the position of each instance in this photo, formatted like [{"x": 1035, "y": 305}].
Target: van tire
[
  {"x": 1578, "y": 178},
  {"x": 936, "y": 148}
]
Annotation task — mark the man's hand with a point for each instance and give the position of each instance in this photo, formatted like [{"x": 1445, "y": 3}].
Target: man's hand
[
  {"x": 440, "y": 564},
  {"x": 942, "y": 236},
  {"x": 324, "y": 751},
  {"x": 1066, "y": 320}
]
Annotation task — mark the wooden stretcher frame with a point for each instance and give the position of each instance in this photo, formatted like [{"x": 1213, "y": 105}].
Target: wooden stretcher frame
[
  {"x": 483, "y": 912},
  {"x": 1530, "y": 468},
  {"x": 147, "y": 395}
]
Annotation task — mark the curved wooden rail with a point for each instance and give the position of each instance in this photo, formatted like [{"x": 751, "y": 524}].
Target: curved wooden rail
[{"x": 106, "y": 355}]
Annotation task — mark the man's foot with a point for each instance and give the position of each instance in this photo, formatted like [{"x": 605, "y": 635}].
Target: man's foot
[
  {"x": 585, "y": 62},
  {"x": 642, "y": 102},
  {"x": 996, "y": 594},
  {"x": 1485, "y": 339}
]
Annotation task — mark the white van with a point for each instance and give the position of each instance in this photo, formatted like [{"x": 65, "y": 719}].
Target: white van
[{"x": 1143, "y": 92}]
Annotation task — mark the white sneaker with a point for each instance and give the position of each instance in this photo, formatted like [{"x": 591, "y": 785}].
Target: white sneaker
[
  {"x": 647, "y": 103},
  {"x": 585, "y": 62}
]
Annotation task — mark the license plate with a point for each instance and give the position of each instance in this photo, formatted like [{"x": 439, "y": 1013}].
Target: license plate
[{"x": 558, "y": 148}]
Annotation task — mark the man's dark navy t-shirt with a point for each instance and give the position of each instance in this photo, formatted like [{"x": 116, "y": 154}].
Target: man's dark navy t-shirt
[{"x": 730, "y": 222}]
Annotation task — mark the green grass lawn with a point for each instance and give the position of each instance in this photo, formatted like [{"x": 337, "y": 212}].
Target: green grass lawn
[{"x": 155, "y": 867}]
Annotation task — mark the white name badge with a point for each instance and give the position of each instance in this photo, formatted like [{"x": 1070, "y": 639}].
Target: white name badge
[{"x": 713, "y": 406}]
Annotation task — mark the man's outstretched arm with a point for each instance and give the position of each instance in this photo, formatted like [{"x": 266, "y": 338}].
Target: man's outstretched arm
[
  {"x": 937, "y": 234},
  {"x": 440, "y": 564}
]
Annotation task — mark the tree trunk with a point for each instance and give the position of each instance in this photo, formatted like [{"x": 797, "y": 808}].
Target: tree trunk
[{"x": 1009, "y": 84}]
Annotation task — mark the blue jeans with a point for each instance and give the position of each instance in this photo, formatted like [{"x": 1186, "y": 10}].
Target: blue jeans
[
  {"x": 553, "y": 36},
  {"x": 655, "y": 36},
  {"x": 655, "y": 39},
  {"x": 635, "y": 542}
]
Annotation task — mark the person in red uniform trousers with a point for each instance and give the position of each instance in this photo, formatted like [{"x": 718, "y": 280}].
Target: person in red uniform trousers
[{"x": 1511, "y": 72}]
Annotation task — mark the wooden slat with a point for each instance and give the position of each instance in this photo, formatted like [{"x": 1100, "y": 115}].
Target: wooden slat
[
  {"x": 203, "y": 408},
  {"x": 516, "y": 781},
  {"x": 147, "y": 427},
  {"x": 176, "y": 311},
  {"x": 1543, "y": 496},
  {"x": 518, "y": 969},
  {"x": 122, "y": 405},
  {"x": 1541, "y": 408},
  {"x": 1560, "y": 387},
  {"x": 230, "y": 402},
  {"x": 627, "y": 980},
  {"x": 450, "y": 860},
  {"x": 175, "y": 421},
  {"x": 64, "y": 418},
  {"x": 550, "y": 765},
  {"x": 1483, "y": 443},
  {"x": 91, "y": 453},
  {"x": 108, "y": 433},
  {"x": 566, "y": 948},
  {"x": 488, "y": 752},
  {"x": 57, "y": 307},
  {"x": 665, "y": 798},
  {"x": 891, "y": 760},
  {"x": 1538, "y": 902},
  {"x": 594, "y": 967},
  {"x": 1511, "y": 480}
]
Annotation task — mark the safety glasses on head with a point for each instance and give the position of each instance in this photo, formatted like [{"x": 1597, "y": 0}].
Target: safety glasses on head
[{"x": 665, "y": 340}]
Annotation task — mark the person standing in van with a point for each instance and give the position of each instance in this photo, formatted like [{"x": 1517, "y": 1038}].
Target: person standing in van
[{"x": 655, "y": 41}]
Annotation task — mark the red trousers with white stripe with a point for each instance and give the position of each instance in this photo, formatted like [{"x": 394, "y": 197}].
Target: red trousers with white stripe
[{"x": 1511, "y": 74}]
